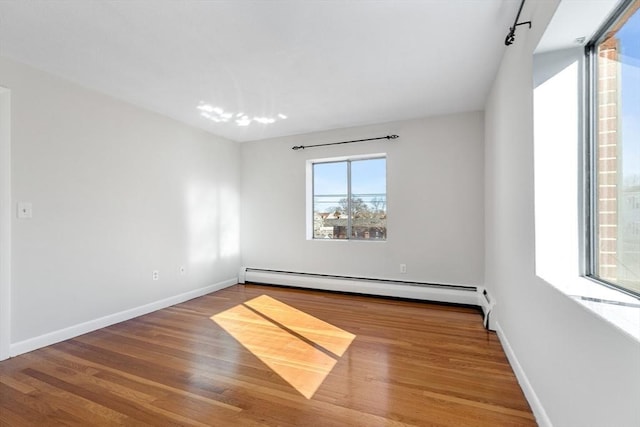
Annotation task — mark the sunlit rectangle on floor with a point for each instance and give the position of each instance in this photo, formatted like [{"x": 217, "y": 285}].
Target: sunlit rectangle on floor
[
  {"x": 298, "y": 362},
  {"x": 327, "y": 336}
]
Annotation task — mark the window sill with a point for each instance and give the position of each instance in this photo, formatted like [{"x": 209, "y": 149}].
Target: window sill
[{"x": 618, "y": 308}]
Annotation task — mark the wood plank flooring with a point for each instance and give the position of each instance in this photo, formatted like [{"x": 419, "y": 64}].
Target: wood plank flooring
[{"x": 254, "y": 355}]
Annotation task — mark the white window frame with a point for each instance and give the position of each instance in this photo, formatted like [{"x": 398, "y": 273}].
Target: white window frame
[
  {"x": 591, "y": 153},
  {"x": 309, "y": 191}
]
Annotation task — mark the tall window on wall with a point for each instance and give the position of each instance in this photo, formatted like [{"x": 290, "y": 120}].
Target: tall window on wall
[
  {"x": 614, "y": 116},
  {"x": 350, "y": 198}
]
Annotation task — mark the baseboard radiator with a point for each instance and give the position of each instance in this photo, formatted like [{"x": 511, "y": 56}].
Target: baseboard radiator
[{"x": 455, "y": 294}]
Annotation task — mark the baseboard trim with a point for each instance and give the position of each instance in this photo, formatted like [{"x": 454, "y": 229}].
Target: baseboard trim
[
  {"x": 536, "y": 406},
  {"x": 54, "y": 337},
  {"x": 453, "y": 294}
]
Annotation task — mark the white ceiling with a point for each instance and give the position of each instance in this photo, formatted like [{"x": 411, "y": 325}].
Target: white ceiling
[{"x": 322, "y": 64}]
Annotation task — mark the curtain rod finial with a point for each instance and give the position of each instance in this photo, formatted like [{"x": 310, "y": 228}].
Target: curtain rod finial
[
  {"x": 511, "y": 36},
  {"x": 298, "y": 147}
]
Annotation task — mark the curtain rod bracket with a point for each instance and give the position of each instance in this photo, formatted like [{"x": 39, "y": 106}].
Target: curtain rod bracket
[
  {"x": 511, "y": 36},
  {"x": 302, "y": 147}
]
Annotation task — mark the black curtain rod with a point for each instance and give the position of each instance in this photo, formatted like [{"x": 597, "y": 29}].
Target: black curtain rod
[
  {"x": 302, "y": 147},
  {"x": 511, "y": 37}
]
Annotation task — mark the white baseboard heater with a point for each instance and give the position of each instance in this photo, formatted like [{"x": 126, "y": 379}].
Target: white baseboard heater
[{"x": 455, "y": 294}]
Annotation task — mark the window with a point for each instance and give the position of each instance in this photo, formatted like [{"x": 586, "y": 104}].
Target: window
[
  {"x": 614, "y": 156},
  {"x": 350, "y": 198}
]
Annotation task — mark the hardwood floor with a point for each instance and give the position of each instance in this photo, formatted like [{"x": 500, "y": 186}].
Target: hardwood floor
[{"x": 255, "y": 355}]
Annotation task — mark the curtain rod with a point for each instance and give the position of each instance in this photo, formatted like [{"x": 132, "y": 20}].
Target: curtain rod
[
  {"x": 298, "y": 147},
  {"x": 511, "y": 36}
]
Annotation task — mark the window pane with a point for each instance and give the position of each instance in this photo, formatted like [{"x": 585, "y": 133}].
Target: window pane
[
  {"x": 617, "y": 154},
  {"x": 369, "y": 199},
  {"x": 330, "y": 192}
]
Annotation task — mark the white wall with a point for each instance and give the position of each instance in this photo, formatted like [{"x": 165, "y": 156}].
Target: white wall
[
  {"x": 435, "y": 203},
  {"x": 556, "y": 107},
  {"x": 578, "y": 369},
  {"x": 117, "y": 192}
]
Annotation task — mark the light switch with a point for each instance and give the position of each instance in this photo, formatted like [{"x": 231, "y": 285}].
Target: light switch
[{"x": 25, "y": 210}]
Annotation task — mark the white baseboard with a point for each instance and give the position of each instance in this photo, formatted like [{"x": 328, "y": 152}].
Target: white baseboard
[
  {"x": 536, "y": 406},
  {"x": 111, "y": 319},
  {"x": 353, "y": 285}
]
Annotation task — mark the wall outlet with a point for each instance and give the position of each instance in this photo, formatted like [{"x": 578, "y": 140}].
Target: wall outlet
[
  {"x": 155, "y": 275},
  {"x": 403, "y": 268},
  {"x": 25, "y": 210}
]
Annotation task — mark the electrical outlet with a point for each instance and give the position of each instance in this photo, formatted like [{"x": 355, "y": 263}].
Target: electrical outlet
[
  {"x": 403, "y": 268},
  {"x": 155, "y": 275},
  {"x": 25, "y": 210}
]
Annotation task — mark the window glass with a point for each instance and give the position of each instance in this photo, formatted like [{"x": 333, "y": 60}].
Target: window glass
[
  {"x": 330, "y": 193},
  {"x": 369, "y": 199},
  {"x": 350, "y": 199},
  {"x": 616, "y": 177}
]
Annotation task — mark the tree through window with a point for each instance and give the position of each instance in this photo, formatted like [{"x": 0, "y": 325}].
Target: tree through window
[{"x": 350, "y": 199}]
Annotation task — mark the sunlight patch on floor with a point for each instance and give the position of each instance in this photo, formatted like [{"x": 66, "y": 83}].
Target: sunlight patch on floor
[{"x": 300, "y": 348}]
